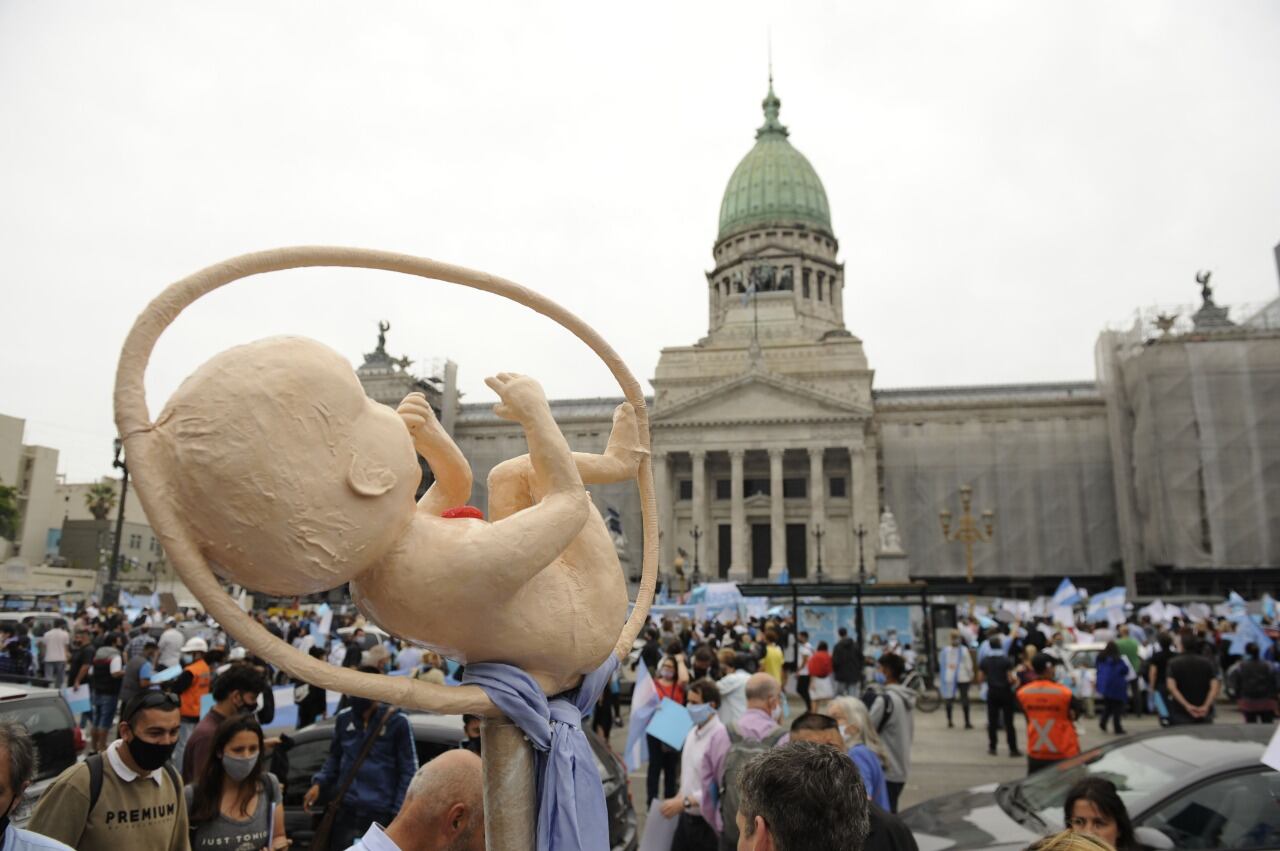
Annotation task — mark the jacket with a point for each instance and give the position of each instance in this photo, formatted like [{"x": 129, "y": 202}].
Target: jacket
[
  {"x": 898, "y": 731},
  {"x": 846, "y": 661},
  {"x": 1113, "y": 678},
  {"x": 383, "y": 778},
  {"x": 1051, "y": 731}
]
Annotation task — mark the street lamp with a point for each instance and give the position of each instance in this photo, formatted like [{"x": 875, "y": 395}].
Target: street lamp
[
  {"x": 862, "y": 578},
  {"x": 696, "y": 534},
  {"x": 112, "y": 591},
  {"x": 968, "y": 532},
  {"x": 818, "y": 533}
]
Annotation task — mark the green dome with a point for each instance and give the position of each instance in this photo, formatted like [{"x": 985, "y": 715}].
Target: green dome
[{"x": 774, "y": 183}]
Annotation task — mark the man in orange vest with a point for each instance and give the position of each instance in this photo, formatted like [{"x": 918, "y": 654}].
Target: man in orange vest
[
  {"x": 191, "y": 686},
  {"x": 1051, "y": 711}
]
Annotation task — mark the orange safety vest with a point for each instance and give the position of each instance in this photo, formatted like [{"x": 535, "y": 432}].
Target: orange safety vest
[
  {"x": 1051, "y": 734},
  {"x": 195, "y": 692}
]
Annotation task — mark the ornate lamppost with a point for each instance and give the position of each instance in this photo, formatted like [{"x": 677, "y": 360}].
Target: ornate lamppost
[
  {"x": 968, "y": 531},
  {"x": 696, "y": 534},
  {"x": 862, "y": 579},
  {"x": 818, "y": 534}
]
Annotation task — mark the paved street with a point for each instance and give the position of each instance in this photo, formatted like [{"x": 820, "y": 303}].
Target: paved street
[{"x": 942, "y": 760}]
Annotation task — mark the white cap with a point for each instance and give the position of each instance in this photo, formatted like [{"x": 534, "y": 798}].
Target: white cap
[
  {"x": 195, "y": 644},
  {"x": 236, "y": 654}
]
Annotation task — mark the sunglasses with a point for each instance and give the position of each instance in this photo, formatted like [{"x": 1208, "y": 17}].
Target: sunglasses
[{"x": 150, "y": 700}]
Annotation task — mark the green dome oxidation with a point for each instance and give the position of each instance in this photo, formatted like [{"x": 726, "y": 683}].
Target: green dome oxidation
[{"x": 774, "y": 183}]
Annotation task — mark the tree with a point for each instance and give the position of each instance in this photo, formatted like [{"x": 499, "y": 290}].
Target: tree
[
  {"x": 8, "y": 511},
  {"x": 100, "y": 499}
]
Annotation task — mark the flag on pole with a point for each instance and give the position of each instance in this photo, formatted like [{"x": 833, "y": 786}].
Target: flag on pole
[
  {"x": 644, "y": 702},
  {"x": 1107, "y": 606},
  {"x": 1066, "y": 595}
]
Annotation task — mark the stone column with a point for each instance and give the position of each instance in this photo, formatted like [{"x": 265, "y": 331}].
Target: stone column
[
  {"x": 699, "y": 508},
  {"x": 777, "y": 518},
  {"x": 666, "y": 517},
  {"x": 738, "y": 518},
  {"x": 817, "y": 509}
]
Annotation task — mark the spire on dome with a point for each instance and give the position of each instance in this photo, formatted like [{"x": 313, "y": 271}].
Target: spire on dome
[{"x": 771, "y": 105}]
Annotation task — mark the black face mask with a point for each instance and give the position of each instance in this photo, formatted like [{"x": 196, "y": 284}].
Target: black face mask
[{"x": 148, "y": 755}]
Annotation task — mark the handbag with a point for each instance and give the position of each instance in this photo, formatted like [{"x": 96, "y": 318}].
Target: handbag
[{"x": 320, "y": 839}]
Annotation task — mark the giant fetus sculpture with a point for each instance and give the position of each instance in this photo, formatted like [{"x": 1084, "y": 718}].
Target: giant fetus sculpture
[
  {"x": 296, "y": 482},
  {"x": 270, "y": 466}
]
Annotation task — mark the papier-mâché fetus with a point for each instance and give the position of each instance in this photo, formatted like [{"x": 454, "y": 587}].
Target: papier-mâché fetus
[{"x": 294, "y": 481}]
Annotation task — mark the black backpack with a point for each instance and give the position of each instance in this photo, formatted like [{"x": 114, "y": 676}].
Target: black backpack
[{"x": 869, "y": 699}]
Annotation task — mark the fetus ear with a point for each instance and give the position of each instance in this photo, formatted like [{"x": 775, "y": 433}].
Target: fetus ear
[{"x": 369, "y": 476}]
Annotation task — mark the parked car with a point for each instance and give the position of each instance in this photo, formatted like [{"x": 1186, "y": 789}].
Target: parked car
[
  {"x": 1078, "y": 668},
  {"x": 58, "y": 740},
  {"x": 1201, "y": 787},
  {"x": 433, "y": 735},
  {"x": 38, "y": 622}
]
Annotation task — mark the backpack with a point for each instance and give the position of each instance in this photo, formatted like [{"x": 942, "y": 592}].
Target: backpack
[
  {"x": 1256, "y": 680},
  {"x": 741, "y": 751},
  {"x": 94, "y": 762},
  {"x": 869, "y": 699}
]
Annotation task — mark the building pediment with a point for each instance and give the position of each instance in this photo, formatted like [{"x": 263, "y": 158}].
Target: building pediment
[{"x": 758, "y": 397}]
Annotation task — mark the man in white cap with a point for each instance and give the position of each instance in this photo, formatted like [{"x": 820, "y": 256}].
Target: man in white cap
[{"x": 191, "y": 686}]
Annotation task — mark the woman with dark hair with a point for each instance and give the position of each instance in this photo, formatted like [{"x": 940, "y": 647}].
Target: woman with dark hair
[
  {"x": 1113, "y": 685},
  {"x": 235, "y": 802},
  {"x": 1093, "y": 806}
]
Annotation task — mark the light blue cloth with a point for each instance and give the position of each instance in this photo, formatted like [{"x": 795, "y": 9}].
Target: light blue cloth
[
  {"x": 571, "y": 809},
  {"x": 375, "y": 839},
  {"x": 872, "y": 772},
  {"x": 15, "y": 839}
]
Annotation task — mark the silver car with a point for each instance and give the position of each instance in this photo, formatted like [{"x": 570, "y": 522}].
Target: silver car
[{"x": 1196, "y": 787}]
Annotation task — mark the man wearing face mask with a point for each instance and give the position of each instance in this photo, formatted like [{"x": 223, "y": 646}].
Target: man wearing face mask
[
  {"x": 693, "y": 832},
  {"x": 381, "y": 780},
  {"x": 235, "y": 691},
  {"x": 128, "y": 797},
  {"x": 17, "y": 768}
]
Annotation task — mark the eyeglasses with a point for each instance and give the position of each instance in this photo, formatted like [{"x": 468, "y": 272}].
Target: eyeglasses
[{"x": 150, "y": 700}]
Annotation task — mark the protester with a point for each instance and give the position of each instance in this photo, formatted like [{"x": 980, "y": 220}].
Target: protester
[
  {"x": 732, "y": 685},
  {"x": 693, "y": 832},
  {"x": 311, "y": 701},
  {"x": 18, "y": 764},
  {"x": 1254, "y": 684},
  {"x": 822, "y": 685},
  {"x": 471, "y": 731},
  {"x": 1112, "y": 685},
  {"x": 756, "y": 731},
  {"x": 1093, "y": 806},
  {"x": 234, "y": 800},
  {"x": 136, "y": 780},
  {"x": 79, "y": 666},
  {"x": 53, "y": 653},
  {"x": 380, "y": 781},
  {"x": 664, "y": 761},
  {"x": 443, "y": 810},
  {"x": 1051, "y": 711},
  {"x": 107, "y": 673},
  {"x": 170, "y": 643},
  {"x": 995, "y": 670},
  {"x": 1069, "y": 840},
  {"x": 138, "y": 671},
  {"x": 955, "y": 670},
  {"x": 846, "y": 662},
  {"x": 191, "y": 686},
  {"x": 771, "y": 662},
  {"x": 802, "y": 796},
  {"x": 862, "y": 743},
  {"x": 1158, "y": 673},
  {"x": 1131, "y": 650},
  {"x": 1193, "y": 684},
  {"x": 235, "y": 692},
  {"x": 804, "y": 652},
  {"x": 890, "y": 710}
]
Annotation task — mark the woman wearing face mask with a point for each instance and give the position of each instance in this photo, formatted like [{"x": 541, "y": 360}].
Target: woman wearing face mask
[
  {"x": 955, "y": 667},
  {"x": 864, "y": 745},
  {"x": 235, "y": 803},
  {"x": 664, "y": 760}
]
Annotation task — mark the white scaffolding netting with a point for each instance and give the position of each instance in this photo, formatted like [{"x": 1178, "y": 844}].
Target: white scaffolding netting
[
  {"x": 1198, "y": 429},
  {"x": 1047, "y": 478}
]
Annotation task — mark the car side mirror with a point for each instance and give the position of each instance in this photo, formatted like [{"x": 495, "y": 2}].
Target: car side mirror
[{"x": 1149, "y": 837}]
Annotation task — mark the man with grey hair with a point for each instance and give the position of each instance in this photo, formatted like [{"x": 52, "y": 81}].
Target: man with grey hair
[
  {"x": 442, "y": 811},
  {"x": 17, "y": 768},
  {"x": 801, "y": 796}
]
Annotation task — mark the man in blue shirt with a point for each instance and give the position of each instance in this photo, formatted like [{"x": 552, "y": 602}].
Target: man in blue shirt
[{"x": 381, "y": 781}]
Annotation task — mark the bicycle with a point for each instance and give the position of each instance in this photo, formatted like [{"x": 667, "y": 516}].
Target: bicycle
[{"x": 927, "y": 697}]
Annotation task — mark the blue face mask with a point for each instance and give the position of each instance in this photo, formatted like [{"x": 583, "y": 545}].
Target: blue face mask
[
  {"x": 701, "y": 712},
  {"x": 880, "y": 676}
]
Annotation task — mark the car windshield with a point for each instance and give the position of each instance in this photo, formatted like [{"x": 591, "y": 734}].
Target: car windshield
[{"x": 1137, "y": 770}]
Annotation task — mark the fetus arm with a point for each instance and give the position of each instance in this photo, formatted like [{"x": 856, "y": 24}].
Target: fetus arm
[{"x": 452, "y": 486}]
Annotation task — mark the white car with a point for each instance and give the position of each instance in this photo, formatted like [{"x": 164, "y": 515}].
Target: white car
[{"x": 1078, "y": 668}]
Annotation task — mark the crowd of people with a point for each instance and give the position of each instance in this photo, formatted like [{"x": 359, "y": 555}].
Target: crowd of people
[{"x": 178, "y": 757}]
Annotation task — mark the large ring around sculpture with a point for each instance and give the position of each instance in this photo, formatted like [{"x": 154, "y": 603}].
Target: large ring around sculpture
[{"x": 133, "y": 421}]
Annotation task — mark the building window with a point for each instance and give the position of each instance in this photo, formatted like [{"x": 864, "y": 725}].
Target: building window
[
  {"x": 753, "y": 487},
  {"x": 836, "y": 487},
  {"x": 805, "y": 281},
  {"x": 822, "y": 276},
  {"x": 794, "y": 488},
  {"x": 686, "y": 489},
  {"x": 135, "y": 542},
  {"x": 724, "y": 489}
]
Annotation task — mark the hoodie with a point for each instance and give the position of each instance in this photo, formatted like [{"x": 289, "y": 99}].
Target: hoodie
[
  {"x": 733, "y": 696},
  {"x": 898, "y": 731}
]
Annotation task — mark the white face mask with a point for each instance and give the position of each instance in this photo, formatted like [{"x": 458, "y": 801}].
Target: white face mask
[
  {"x": 844, "y": 731},
  {"x": 777, "y": 712}
]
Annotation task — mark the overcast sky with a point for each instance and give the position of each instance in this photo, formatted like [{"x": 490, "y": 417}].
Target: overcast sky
[{"x": 1006, "y": 178}]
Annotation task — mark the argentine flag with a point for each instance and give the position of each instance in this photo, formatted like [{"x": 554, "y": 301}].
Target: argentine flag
[
  {"x": 1107, "y": 606},
  {"x": 1066, "y": 595},
  {"x": 644, "y": 702}
]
